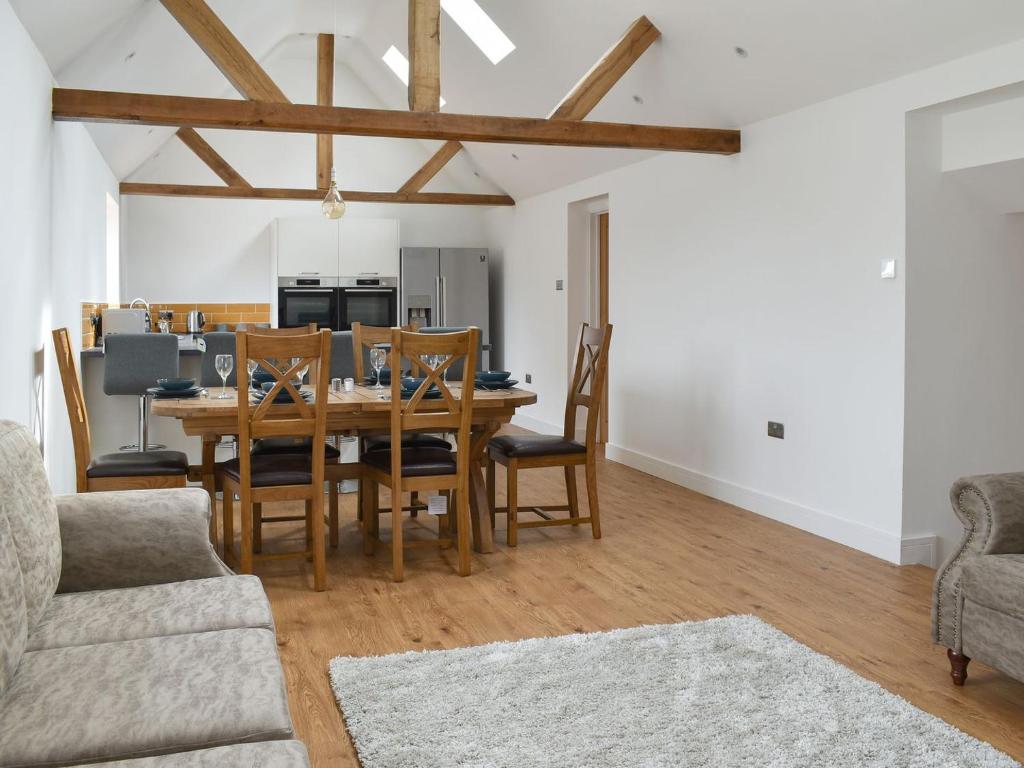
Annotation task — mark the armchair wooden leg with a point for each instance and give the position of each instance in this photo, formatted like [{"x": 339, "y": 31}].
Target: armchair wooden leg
[
  {"x": 570, "y": 491},
  {"x": 463, "y": 530},
  {"x": 318, "y": 544},
  {"x": 958, "y": 666},
  {"x": 247, "y": 512},
  {"x": 491, "y": 488},
  {"x": 228, "y": 523},
  {"x": 397, "y": 546},
  {"x": 595, "y": 513},
  {"x": 257, "y": 526},
  {"x": 511, "y": 472},
  {"x": 369, "y": 516},
  {"x": 333, "y": 512}
]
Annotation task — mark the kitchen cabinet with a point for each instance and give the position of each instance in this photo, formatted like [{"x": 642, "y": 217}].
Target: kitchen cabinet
[
  {"x": 350, "y": 247},
  {"x": 369, "y": 247},
  {"x": 307, "y": 246}
]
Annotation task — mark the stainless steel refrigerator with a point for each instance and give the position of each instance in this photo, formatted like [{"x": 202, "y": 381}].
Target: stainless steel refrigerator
[{"x": 447, "y": 287}]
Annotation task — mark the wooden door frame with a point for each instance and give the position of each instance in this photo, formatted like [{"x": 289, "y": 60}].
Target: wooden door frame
[{"x": 602, "y": 313}]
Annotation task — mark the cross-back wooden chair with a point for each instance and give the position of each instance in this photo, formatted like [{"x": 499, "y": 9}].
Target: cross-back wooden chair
[
  {"x": 260, "y": 478},
  {"x": 420, "y": 468},
  {"x": 365, "y": 337},
  {"x": 113, "y": 471},
  {"x": 516, "y": 452}
]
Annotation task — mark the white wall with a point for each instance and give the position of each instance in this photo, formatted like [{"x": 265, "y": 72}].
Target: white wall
[
  {"x": 52, "y": 216},
  {"x": 745, "y": 289},
  {"x": 183, "y": 249},
  {"x": 965, "y": 322}
]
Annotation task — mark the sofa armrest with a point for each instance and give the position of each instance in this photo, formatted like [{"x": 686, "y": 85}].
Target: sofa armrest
[
  {"x": 991, "y": 508},
  {"x": 117, "y": 539}
]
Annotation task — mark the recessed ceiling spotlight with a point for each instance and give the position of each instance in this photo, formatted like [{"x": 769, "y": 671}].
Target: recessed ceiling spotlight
[
  {"x": 638, "y": 98},
  {"x": 741, "y": 51}
]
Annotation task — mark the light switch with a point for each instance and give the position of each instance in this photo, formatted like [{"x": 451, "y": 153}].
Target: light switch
[{"x": 888, "y": 268}]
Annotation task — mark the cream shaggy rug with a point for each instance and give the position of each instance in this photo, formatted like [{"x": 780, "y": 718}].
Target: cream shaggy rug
[{"x": 726, "y": 692}]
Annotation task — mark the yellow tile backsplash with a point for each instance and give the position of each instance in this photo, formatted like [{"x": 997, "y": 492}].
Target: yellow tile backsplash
[{"x": 231, "y": 313}]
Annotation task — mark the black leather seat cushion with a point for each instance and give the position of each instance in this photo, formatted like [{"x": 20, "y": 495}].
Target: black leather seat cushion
[
  {"x": 274, "y": 469},
  {"x": 278, "y": 445},
  {"x": 414, "y": 440},
  {"x": 523, "y": 446},
  {"x": 416, "y": 462},
  {"x": 135, "y": 464}
]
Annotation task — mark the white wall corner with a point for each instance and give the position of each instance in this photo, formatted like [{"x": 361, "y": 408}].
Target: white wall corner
[
  {"x": 856, "y": 535},
  {"x": 920, "y": 550}
]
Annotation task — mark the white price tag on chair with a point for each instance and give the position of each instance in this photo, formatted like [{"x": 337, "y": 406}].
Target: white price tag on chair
[{"x": 437, "y": 505}]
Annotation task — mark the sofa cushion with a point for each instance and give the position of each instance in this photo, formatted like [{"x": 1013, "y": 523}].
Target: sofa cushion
[
  {"x": 263, "y": 754},
  {"x": 13, "y": 622},
  {"x": 143, "y": 697},
  {"x": 32, "y": 514},
  {"x": 111, "y": 615},
  {"x": 996, "y": 581}
]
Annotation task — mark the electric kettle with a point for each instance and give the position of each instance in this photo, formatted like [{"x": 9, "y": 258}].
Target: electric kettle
[{"x": 196, "y": 321}]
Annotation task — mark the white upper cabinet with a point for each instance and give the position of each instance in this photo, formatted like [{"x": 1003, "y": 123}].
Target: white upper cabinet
[
  {"x": 369, "y": 247},
  {"x": 307, "y": 246}
]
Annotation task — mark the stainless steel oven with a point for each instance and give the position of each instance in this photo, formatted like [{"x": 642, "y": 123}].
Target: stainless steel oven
[
  {"x": 305, "y": 300},
  {"x": 367, "y": 300}
]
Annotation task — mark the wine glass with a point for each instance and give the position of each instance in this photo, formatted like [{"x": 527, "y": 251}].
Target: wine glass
[
  {"x": 224, "y": 364},
  {"x": 302, "y": 371},
  {"x": 378, "y": 357},
  {"x": 251, "y": 366}
]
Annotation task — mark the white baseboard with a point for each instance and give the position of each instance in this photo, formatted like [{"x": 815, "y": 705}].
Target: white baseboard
[
  {"x": 883, "y": 545},
  {"x": 920, "y": 550}
]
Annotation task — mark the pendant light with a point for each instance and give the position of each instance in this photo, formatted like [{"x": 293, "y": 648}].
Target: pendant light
[{"x": 333, "y": 205}]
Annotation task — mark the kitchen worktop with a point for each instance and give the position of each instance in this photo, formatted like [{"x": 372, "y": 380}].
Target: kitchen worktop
[{"x": 186, "y": 347}]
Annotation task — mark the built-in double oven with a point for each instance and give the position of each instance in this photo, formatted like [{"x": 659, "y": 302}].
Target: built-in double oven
[{"x": 336, "y": 303}]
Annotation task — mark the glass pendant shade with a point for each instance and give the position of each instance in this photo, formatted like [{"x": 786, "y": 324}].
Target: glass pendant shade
[{"x": 333, "y": 205}]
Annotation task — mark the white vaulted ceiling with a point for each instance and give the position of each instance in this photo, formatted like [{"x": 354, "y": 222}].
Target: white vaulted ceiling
[{"x": 800, "y": 52}]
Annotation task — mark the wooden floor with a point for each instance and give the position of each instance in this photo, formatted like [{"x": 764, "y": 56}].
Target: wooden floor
[{"x": 667, "y": 555}]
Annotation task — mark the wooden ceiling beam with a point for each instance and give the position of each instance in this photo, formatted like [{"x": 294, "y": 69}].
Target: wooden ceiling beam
[
  {"x": 261, "y": 193},
  {"x": 224, "y": 50},
  {"x": 211, "y": 157},
  {"x": 607, "y": 71},
  {"x": 425, "y": 55},
  {"x": 577, "y": 103},
  {"x": 149, "y": 109},
  {"x": 325, "y": 98}
]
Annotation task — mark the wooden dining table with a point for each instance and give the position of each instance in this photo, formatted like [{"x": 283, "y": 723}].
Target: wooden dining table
[{"x": 362, "y": 411}]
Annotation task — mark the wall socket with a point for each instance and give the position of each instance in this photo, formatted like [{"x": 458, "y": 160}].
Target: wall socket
[
  {"x": 529, "y": 378},
  {"x": 777, "y": 429},
  {"x": 558, "y": 285}
]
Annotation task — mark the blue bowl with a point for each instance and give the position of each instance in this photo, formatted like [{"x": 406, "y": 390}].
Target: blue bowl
[
  {"x": 175, "y": 385},
  {"x": 412, "y": 383},
  {"x": 261, "y": 377},
  {"x": 266, "y": 386},
  {"x": 488, "y": 376}
]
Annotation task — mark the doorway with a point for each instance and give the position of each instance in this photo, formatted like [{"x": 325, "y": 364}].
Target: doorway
[{"x": 588, "y": 289}]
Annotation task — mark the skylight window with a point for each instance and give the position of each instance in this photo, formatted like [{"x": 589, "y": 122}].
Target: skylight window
[
  {"x": 481, "y": 29},
  {"x": 398, "y": 64}
]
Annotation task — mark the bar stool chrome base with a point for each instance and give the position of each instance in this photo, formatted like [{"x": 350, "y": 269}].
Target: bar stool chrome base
[{"x": 143, "y": 430}]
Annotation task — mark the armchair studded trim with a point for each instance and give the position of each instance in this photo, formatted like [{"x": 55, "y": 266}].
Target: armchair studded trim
[{"x": 991, "y": 508}]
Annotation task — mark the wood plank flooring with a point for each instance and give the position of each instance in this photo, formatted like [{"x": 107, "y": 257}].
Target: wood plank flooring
[{"x": 667, "y": 555}]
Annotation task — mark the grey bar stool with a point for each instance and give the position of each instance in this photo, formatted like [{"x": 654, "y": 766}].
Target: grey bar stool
[
  {"x": 132, "y": 364},
  {"x": 343, "y": 365}
]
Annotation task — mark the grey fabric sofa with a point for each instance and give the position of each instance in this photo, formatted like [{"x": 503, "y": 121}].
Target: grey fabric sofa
[
  {"x": 124, "y": 640},
  {"x": 978, "y": 605}
]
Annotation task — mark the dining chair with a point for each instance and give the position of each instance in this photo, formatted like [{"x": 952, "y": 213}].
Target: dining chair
[
  {"x": 114, "y": 471},
  {"x": 419, "y": 468},
  {"x": 456, "y": 371},
  {"x": 516, "y": 452},
  {"x": 259, "y": 478}
]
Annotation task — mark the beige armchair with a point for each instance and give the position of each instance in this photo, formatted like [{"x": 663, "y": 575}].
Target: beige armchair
[{"x": 978, "y": 605}]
